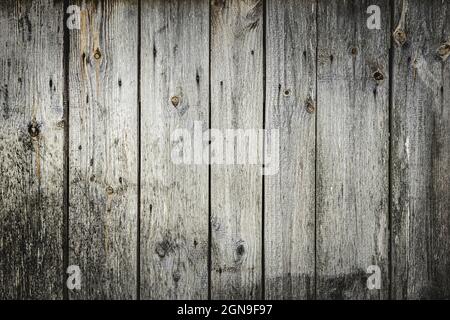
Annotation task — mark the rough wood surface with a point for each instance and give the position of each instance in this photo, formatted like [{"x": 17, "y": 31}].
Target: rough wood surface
[
  {"x": 236, "y": 190},
  {"x": 421, "y": 152},
  {"x": 290, "y": 194},
  {"x": 174, "y": 208},
  {"x": 31, "y": 149},
  {"x": 352, "y": 149},
  {"x": 103, "y": 149},
  {"x": 312, "y": 69}
]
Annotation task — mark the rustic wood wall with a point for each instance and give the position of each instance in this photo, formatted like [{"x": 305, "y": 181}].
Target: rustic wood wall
[{"x": 86, "y": 176}]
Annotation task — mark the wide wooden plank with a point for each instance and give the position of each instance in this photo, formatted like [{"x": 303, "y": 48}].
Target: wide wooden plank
[
  {"x": 31, "y": 149},
  {"x": 175, "y": 96},
  {"x": 289, "y": 194},
  {"x": 104, "y": 149},
  {"x": 421, "y": 151},
  {"x": 352, "y": 149},
  {"x": 236, "y": 190}
]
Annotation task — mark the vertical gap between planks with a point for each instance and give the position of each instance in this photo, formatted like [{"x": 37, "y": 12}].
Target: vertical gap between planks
[
  {"x": 65, "y": 231},
  {"x": 209, "y": 263},
  {"x": 315, "y": 151},
  {"x": 263, "y": 206},
  {"x": 138, "y": 237},
  {"x": 391, "y": 104}
]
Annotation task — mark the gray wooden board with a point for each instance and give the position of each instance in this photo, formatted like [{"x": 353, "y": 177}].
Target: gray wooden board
[
  {"x": 236, "y": 190},
  {"x": 352, "y": 150},
  {"x": 421, "y": 153},
  {"x": 326, "y": 87},
  {"x": 290, "y": 193},
  {"x": 175, "y": 96},
  {"x": 31, "y": 149},
  {"x": 103, "y": 149}
]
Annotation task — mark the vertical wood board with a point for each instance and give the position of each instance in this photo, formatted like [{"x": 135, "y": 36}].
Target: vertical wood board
[{"x": 103, "y": 149}]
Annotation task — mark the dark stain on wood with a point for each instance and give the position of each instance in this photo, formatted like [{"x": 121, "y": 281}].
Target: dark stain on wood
[
  {"x": 6, "y": 102},
  {"x": 345, "y": 286},
  {"x": 25, "y": 27}
]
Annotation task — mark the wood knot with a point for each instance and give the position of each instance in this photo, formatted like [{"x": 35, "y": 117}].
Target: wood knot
[
  {"x": 287, "y": 92},
  {"x": 61, "y": 124},
  {"x": 444, "y": 51},
  {"x": 34, "y": 128},
  {"x": 109, "y": 190},
  {"x": 176, "y": 276},
  {"x": 310, "y": 106},
  {"x": 164, "y": 247},
  {"x": 239, "y": 252},
  {"x": 400, "y": 37},
  {"x": 378, "y": 76},
  {"x": 97, "y": 54},
  {"x": 175, "y": 101},
  {"x": 160, "y": 251}
]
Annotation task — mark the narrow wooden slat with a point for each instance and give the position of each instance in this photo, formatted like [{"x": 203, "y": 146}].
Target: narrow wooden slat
[
  {"x": 103, "y": 149},
  {"x": 236, "y": 190},
  {"x": 31, "y": 149},
  {"x": 289, "y": 194},
  {"x": 421, "y": 152},
  {"x": 352, "y": 149},
  {"x": 175, "y": 95}
]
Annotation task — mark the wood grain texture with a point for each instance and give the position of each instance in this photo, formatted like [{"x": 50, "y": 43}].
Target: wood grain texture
[
  {"x": 174, "y": 221},
  {"x": 352, "y": 150},
  {"x": 290, "y": 194},
  {"x": 31, "y": 149},
  {"x": 236, "y": 190},
  {"x": 103, "y": 149},
  {"x": 421, "y": 153},
  {"x": 334, "y": 89}
]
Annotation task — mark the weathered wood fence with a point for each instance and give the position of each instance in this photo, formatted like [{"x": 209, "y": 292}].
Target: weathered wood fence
[{"x": 86, "y": 176}]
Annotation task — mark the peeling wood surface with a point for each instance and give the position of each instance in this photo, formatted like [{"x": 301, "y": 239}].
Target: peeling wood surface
[
  {"x": 289, "y": 195},
  {"x": 352, "y": 150},
  {"x": 103, "y": 150},
  {"x": 364, "y": 171},
  {"x": 175, "y": 95},
  {"x": 421, "y": 154},
  {"x": 31, "y": 150}
]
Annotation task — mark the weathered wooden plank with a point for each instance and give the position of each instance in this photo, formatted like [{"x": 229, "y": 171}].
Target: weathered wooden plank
[
  {"x": 31, "y": 149},
  {"x": 421, "y": 151},
  {"x": 104, "y": 149},
  {"x": 236, "y": 190},
  {"x": 289, "y": 194},
  {"x": 175, "y": 95},
  {"x": 352, "y": 149}
]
